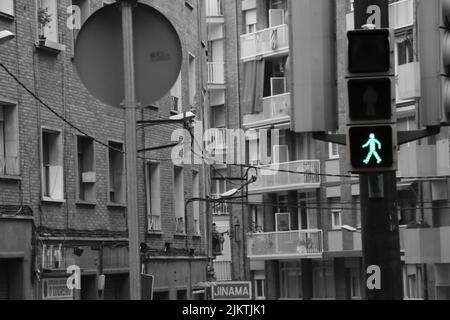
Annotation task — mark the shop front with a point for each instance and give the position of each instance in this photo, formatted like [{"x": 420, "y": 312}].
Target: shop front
[
  {"x": 15, "y": 258},
  {"x": 79, "y": 271}
]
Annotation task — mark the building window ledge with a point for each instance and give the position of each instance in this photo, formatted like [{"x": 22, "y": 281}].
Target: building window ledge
[
  {"x": 10, "y": 177},
  {"x": 49, "y": 46},
  {"x": 117, "y": 205},
  {"x": 55, "y": 201},
  {"x": 180, "y": 235},
  {"x": 86, "y": 203},
  {"x": 158, "y": 233}
]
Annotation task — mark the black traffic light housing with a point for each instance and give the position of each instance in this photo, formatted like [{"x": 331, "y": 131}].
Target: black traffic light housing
[
  {"x": 372, "y": 147},
  {"x": 371, "y": 112}
]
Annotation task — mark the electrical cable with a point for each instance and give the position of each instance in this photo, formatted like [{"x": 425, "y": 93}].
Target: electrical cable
[{"x": 201, "y": 156}]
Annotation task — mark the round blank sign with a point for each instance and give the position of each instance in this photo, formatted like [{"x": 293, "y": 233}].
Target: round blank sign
[{"x": 99, "y": 54}]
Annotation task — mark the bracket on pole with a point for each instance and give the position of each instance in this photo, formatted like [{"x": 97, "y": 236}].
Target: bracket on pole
[
  {"x": 409, "y": 136},
  {"x": 340, "y": 139},
  {"x": 404, "y": 137}
]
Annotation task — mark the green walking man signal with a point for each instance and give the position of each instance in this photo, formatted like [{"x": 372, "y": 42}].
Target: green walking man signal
[{"x": 372, "y": 143}]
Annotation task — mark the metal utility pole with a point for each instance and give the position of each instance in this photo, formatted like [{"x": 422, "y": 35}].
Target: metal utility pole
[{"x": 131, "y": 148}]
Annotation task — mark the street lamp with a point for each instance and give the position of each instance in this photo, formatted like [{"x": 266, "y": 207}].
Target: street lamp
[{"x": 5, "y": 36}]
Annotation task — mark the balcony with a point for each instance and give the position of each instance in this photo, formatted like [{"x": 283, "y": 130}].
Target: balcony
[
  {"x": 276, "y": 109},
  {"x": 270, "y": 179},
  {"x": 222, "y": 270},
  {"x": 268, "y": 42},
  {"x": 401, "y": 15},
  {"x": 216, "y": 76},
  {"x": 417, "y": 160},
  {"x": 214, "y": 11},
  {"x": 345, "y": 242},
  {"x": 408, "y": 86},
  {"x": 422, "y": 246},
  {"x": 285, "y": 245},
  {"x": 219, "y": 208}
]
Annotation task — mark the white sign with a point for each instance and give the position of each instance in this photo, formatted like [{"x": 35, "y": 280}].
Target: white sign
[{"x": 56, "y": 289}]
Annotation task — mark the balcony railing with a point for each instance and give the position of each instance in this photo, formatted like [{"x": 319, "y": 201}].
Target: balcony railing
[
  {"x": 213, "y": 8},
  {"x": 417, "y": 160},
  {"x": 287, "y": 176},
  {"x": 408, "y": 85},
  {"x": 401, "y": 15},
  {"x": 216, "y": 73},
  {"x": 275, "y": 109},
  {"x": 219, "y": 208},
  {"x": 285, "y": 245},
  {"x": 222, "y": 270},
  {"x": 267, "y": 42},
  {"x": 342, "y": 240}
]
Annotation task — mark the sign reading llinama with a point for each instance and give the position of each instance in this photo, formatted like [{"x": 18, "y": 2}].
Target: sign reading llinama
[{"x": 232, "y": 291}]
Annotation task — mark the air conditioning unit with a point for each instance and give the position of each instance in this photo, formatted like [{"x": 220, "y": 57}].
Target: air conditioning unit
[
  {"x": 89, "y": 177},
  {"x": 276, "y": 17},
  {"x": 277, "y": 86}
]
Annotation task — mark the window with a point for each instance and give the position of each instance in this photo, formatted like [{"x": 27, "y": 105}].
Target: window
[
  {"x": 81, "y": 15},
  {"x": 48, "y": 19},
  {"x": 175, "y": 96},
  {"x": 196, "y": 204},
  {"x": 86, "y": 169},
  {"x": 336, "y": 222},
  {"x": 178, "y": 200},
  {"x": 259, "y": 284},
  {"x": 116, "y": 173},
  {"x": 290, "y": 280},
  {"x": 282, "y": 222},
  {"x": 257, "y": 219},
  {"x": 52, "y": 165},
  {"x": 333, "y": 150},
  {"x": 323, "y": 280},
  {"x": 9, "y": 140},
  {"x": 405, "y": 50},
  {"x": 355, "y": 285},
  {"x": 153, "y": 192},
  {"x": 7, "y": 7},
  {"x": 192, "y": 80},
  {"x": 250, "y": 21}
]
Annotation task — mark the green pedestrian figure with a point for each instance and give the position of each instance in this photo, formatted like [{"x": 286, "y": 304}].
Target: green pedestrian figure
[{"x": 372, "y": 143}]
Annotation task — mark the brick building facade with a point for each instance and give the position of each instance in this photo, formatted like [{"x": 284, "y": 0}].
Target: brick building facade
[{"x": 66, "y": 191}]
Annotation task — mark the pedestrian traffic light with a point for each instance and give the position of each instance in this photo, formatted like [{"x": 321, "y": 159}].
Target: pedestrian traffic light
[
  {"x": 434, "y": 56},
  {"x": 372, "y": 148},
  {"x": 371, "y": 117}
]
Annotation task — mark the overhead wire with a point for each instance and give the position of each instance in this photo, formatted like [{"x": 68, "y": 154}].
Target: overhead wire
[{"x": 214, "y": 161}]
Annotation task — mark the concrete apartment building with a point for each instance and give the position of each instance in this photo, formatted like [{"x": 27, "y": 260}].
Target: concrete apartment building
[
  {"x": 63, "y": 195},
  {"x": 295, "y": 244}
]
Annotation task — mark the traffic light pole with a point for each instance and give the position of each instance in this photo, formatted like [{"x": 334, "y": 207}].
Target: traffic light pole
[{"x": 380, "y": 236}]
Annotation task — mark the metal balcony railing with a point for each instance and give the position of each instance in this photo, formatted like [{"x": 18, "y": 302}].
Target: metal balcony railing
[
  {"x": 287, "y": 176},
  {"x": 265, "y": 42},
  {"x": 285, "y": 245},
  {"x": 219, "y": 208}
]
